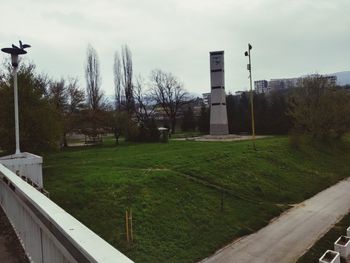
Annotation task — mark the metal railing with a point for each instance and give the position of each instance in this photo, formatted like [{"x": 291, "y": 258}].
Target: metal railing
[{"x": 47, "y": 232}]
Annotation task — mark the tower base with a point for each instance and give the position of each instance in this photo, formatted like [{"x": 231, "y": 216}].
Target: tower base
[{"x": 218, "y": 129}]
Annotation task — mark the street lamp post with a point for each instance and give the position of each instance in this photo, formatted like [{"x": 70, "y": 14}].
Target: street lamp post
[
  {"x": 15, "y": 51},
  {"x": 249, "y": 67}
]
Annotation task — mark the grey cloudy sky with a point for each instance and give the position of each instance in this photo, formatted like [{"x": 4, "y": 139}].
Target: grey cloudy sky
[{"x": 289, "y": 37}]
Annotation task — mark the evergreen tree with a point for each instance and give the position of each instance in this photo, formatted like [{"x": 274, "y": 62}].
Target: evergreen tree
[
  {"x": 188, "y": 121},
  {"x": 39, "y": 122},
  {"x": 232, "y": 114},
  {"x": 204, "y": 120},
  {"x": 278, "y": 121}
]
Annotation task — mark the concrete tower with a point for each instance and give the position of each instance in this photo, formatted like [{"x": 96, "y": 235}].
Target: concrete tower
[{"x": 218, "y": 112}]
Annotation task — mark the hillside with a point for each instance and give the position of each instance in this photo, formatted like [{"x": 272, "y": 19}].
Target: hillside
[{"x": 188, "y": 198}]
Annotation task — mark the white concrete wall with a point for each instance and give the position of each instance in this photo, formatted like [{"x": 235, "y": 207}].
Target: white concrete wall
[
  {"x": 46, "y": 231},
  {"x": 25, "y": 164}
]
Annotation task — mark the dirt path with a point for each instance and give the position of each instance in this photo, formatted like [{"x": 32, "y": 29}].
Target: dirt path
[
  {"x": 293, "y": 233},
  {"x": 10, "y": 249}
]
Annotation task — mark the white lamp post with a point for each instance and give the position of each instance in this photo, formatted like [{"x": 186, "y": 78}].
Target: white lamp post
[
  {"x": 24, "y": 164},
  {"x": 15, "y": 51}
]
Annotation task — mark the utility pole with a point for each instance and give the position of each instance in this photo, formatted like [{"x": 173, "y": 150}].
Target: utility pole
[{"x": 249, "y": 67}]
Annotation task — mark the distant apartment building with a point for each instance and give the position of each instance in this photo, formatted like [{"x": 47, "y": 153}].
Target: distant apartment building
[
  {"x": 160, "y": 115},
  {"x": 260, "y": 86},
  {"x": 280, "y": 84},
  {"x": 332, "y": 79},
  {"x": 206, "y": 98},
  {"x": 264, "y": 86}
]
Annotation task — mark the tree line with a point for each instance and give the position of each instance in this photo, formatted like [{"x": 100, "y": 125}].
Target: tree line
[
  {"x": 315, "y": 107},
  {"x": 50, "y": 109},
  {"x": 135, "y": 102},
  {"x": 269, "y": 114}
]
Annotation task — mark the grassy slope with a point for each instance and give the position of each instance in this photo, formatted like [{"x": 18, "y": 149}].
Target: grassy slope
[
  {"x": 177, "y": 219},
  {"x": 326, "y": 242}
]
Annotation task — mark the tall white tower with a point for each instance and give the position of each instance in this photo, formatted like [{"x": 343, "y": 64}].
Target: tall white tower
[{"x": 218, "y": 112}]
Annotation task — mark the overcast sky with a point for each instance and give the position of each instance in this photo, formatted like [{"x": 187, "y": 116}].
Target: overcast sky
[{"x": 289, "y": 37}]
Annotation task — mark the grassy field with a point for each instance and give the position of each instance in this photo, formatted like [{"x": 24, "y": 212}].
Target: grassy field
[
  {"x": 326, "y": 242},
  {"x": 176, "y": 190}
]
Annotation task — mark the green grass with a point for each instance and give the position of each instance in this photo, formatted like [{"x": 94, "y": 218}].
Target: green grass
[
  {"x": 175, "y": 191},
  {"x": 326, "y": 242}
]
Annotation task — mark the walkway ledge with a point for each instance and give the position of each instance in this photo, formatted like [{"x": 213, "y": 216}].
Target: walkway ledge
[{"x": 47, "y": 232}]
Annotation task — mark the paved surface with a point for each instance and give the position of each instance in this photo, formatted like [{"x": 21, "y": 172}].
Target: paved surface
[
  {"x": 291, "y": 234},
  {"x": 10, "y": 249},
  {"x": 225, "y": 138}
]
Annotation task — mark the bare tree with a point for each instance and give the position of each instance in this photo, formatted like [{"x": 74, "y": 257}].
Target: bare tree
[
  {"x": 68, "y": 100},
  {"x": 95, "y": 116},
  {"x": 117, "y": 70},
  {"x": 76, "y": 96},
  {"x": 93, "y": 80},
  {"x": 58, "y": 95},
  {"x": 169, "y": 93},
  {"x": 127, "y": 79},
  {"x": 144, "y": 102}
]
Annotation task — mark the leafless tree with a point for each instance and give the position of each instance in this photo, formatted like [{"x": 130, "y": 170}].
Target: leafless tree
[
  {"x": 58, "y": 95},
  {"x": 144, "y": 102},
  {"x": 127, "y": 79},
  {"x": 93, "y": 80},
  {"x": 68, "y": 100},
  {"x": 117, "y": 70},
  {"x": 76, "y": 96},
  {"x": 169, "y": 93}
]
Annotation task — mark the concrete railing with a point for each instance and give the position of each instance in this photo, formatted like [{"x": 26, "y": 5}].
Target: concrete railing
[{"x": 47, "y": 232}]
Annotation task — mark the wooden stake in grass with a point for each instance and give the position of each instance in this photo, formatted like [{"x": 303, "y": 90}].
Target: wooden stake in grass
[
  {"x": 127, "y": 226},
  {"x": 131, "y": 232}
]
